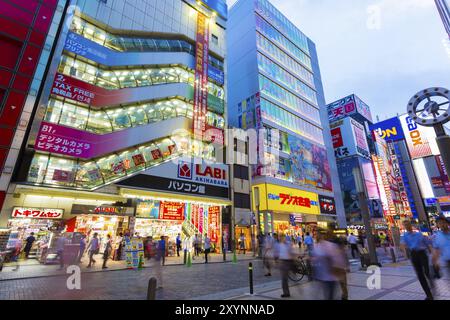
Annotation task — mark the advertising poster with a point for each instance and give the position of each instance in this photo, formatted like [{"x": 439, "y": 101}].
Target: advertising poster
[
  {"x": 173, "y": 211},
  {"x": 201, "y": 77},
  {"x": 362, "y": 147},
  {"x": 134, "y": 252},
  {"x": 201, "y": 213},
  {"x": 349, "y": 139},
  {"x": 341, "y": 108},
  {"x": 148, "y": 209},
  {"x": 310, "y": 164},
  {"x": 444, "y": 176},
  {"x": 389, "y": 130},
  {"x": 327, "y": 205},
  {"x": 348, "y": 188},
  {"x": 214, "y": 220},
  {"x": 195, "y": 213},
  {"x": 421, "y": 140},
  {"x": 399, "y": 180},
  {"x": 363, "y": 109}
]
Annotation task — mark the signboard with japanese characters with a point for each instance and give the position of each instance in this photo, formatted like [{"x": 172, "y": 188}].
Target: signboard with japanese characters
[
  {"x": 351, "y": 106},
  {"x": 349, "y": 139},
  {"x": 37, "y": 213},
  {"x": 173, "y": 211},
  {"x": 327, "y": 205}
]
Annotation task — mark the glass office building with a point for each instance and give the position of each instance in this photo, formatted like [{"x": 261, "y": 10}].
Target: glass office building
[
  {"x": 275, "y": 87},
  {"x": 134, "y": 91}
]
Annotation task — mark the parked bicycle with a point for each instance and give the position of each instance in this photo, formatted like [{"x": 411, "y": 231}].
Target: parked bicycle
[{"x": 301, "y": 268}]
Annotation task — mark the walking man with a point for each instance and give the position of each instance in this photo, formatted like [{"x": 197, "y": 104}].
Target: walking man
[
  {"x": 178, "y": 244},
  {"x": 82, "y": 248},
  {"x": 30, "y": 240},
  {"x": 93, "y": 249},
  {"x": 353, "y": 244},
  {"x": 441, "y": 245},
  {"x": 107, "y": 251},
  {"x": 309, "y": 242},
  {"x": 162, "y": 250},
  {"x": 207, "y": 247},
  {"x": 418, "y": 244},
  {"x": 286, "y": 257},
  {"x": 60, "y": 250}
]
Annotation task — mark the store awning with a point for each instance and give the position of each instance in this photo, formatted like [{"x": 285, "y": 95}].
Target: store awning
[{"x": 154, "y": 195}]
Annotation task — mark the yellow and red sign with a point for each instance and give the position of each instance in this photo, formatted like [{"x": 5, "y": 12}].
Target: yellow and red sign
[
  {"x": 171, "y": 211},
  {"x": 283, "y": 199}
]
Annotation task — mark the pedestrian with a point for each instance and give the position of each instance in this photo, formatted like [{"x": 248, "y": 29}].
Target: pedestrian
[
  {"x": 60, "y": 243},
  {"x": 242, "y": 243},
  {"x": 286, "y": 257},
  {"x": 207, "y": 247},
  {"x": 383, "y": 241},
  {"x": 178, "y": 240},
  {"x": 309, "y": 242},
  {"x": 82, "y": 248},
  {"x": 268, "y": 254},
  {"x": 93, "y": 249},
  {"x": 418, "y": 245},
  {"x": 118, "y": 245},
  {"x": 325, "y": 262},
  {"x": 197, "y": 245},
  {"x": 441, "y": 246},
  {"x": 342, "y": 266},
  {"x": 15, "y": 254},
  {"x": 353, "y": 242},
  {"x": 162, "y": 250},
  {"x": 107, "y": 252},
  {"x": 29, "y": 244},
  {"x": 299, "y": 241}
]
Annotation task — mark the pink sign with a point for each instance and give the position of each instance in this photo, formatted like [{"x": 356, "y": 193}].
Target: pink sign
[{"x": 67, "y": 141}]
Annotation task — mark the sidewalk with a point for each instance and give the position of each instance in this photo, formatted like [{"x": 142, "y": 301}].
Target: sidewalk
[
  {"x": 33, "y": 269},
  {"x": 398, "y": 282}
]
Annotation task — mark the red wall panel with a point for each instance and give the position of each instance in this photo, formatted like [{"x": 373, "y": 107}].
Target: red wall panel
[
  {"x": 15, "y": 13},
  {"x": 30, "y": 60},
  {"x": 6, "y": 136},
  {"x": 12, "y": 28},
  {"x": 12, "y": 109},
  {"x": 22, "y": 83},
  {"x": 43, "y": 19},
  {"x": 10, "y": 51},
  {"x": 5, "y": 77},
  {"x": 29, "y": 5}
]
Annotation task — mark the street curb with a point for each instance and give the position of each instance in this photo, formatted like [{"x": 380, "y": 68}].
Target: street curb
[{"x": 121, "y": 269}]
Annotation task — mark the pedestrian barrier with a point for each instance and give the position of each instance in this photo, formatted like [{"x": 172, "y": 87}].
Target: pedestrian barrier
[
  {"x": 250, "y": 277},
  {"x": 234, "y": 257},
  {"x": 365, "y": 257},
  {"x": 189, "y": 261},
  {"x": 151, "y": 290}
]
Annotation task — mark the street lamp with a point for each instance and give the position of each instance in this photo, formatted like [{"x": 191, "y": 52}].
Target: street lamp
[{"x": 360, "y": 189}]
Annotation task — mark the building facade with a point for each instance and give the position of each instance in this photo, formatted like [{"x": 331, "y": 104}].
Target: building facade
[
  {"x": 444, "y": 11},
  {"x": 128, "y": 133},
  {"x": 275, "y": 93}
]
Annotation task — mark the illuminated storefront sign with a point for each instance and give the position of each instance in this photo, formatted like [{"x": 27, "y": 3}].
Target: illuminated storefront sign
[
  {"x": 214, "y": 223},
  {"x": 284, "y": 199},
  {"x": 37, "y": 213},
  {"x": 399, "y": 179},
  {"x": 421, "y": 140},
  {"x": 171, "y": 211},
  {"x": 327, "y": 205},
  {"x": 443, "y": 174},
  {"x": 384, "y": 186},
  {"x": 390, "y": 129},
  {"x": 201, "y": 77},
  {"x": 341, "y": 109}
]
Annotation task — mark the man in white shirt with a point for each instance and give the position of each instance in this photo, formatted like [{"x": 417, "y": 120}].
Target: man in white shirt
[
  {"x": 353, "y": 244},
  {"x": 286, "y": 257}
]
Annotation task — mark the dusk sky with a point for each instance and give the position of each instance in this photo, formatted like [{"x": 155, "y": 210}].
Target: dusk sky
[{"x": 382, "y": 50}]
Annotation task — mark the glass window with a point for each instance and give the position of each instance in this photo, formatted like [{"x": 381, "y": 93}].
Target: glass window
[
  {"x": 38, "y": 168},
  {"x": 137, "y": 115},
  {"x": 111, "y": 167},
  {"x": 88, "y": 175},
  {"x": 54, "y": 110},
  {"x": 60, "y": 172},
  {"x": 99, "y": 122},
  {"x": 151, "y": 153},
  {"x": 133, "y": 160},
  {"x": 120, "y": 119}
]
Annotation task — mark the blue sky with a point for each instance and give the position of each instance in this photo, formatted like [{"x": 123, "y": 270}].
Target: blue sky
[{"x": 382, "y": 50}]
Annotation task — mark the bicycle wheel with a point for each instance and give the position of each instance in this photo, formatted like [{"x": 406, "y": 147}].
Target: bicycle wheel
[{"x": 297, "y": 273}]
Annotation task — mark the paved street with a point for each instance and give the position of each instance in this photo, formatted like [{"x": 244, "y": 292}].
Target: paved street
[{"x": 216, "y": 281}]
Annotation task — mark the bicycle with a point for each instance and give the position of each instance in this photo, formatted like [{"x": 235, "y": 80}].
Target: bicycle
[{"x": 299, "y": 270}]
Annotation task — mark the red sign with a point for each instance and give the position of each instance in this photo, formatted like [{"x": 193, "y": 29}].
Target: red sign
[
  {"x": 213, "y": 216},
  {"x": 201, "y": 77},
  {"x": 34, "y": 213},
  {"x": 171, "y": 211},
  {"x": 210, "y": 172},
  {"x": 336, "y": 135},
  {"x": 293, "y": 200}
]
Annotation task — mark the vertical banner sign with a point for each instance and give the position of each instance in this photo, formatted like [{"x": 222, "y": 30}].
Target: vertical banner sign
[
  {"x": 443, "y": 173},
  {"x": 399, "y": 179},
  {"x": 201, "y": 77},
  {"x": 195, "y": 215},
  {"x": 213, "y": 214},
  {"x": 384, "y": 187},
  {"x": 200, "y": 219}
]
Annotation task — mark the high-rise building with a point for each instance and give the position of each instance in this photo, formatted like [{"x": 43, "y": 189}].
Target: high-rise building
[
  {"x": 275, "y": 90},
  {"x": 28, "y": 30},
  {"x": 135, "y": 90},
  {"x": 444, "y": 11}
]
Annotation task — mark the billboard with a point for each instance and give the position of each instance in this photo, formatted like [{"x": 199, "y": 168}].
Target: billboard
[
  {"x": 327, "y": 205},
  {"x": 309, "y": 164},
  {"x": 384, "y": 186},
  {"x": 201, "y": 77},
  {"x": 283, "y": 199},
  {"x": 390, "y": 129},
  {"x": 219, "y": 6},
  {"x": 349, "y": 139},
  {"x": 421, "y": 140},
  {"x": 349, "y": 106},
  {"x": 348, "y": 188}
]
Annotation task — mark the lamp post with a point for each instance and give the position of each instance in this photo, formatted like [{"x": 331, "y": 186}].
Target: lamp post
[{"x": 360, "y": 189}]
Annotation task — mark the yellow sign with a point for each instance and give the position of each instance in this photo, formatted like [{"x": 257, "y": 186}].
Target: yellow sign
[{"x": 282, "y": 199}]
